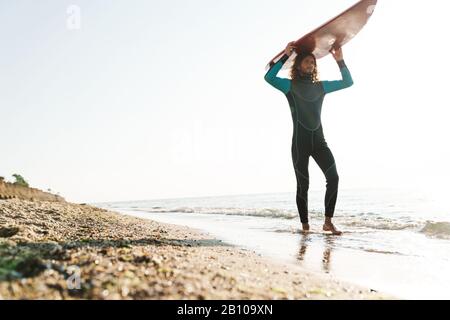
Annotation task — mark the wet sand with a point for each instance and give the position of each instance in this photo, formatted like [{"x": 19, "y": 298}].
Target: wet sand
[{"x": 51, "y": 250}]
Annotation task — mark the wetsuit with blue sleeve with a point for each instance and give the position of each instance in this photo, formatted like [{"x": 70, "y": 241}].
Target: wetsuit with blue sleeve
[{"x": 305, "y": 99}]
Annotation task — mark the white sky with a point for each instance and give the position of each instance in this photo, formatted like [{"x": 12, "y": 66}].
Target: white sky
[{"x": 156, "y": 99}]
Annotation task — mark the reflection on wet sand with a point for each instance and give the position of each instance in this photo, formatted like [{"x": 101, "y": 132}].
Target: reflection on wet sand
[{"x": 329, "y": 244}]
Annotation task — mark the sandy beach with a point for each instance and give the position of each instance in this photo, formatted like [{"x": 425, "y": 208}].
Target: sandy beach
[{"x": 52, "y": 250}]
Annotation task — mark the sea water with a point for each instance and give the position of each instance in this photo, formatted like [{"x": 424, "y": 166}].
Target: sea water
[{"x": 394, "y": 241}]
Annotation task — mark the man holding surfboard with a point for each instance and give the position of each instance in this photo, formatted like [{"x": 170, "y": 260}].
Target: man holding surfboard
[{"x": 305, "y": 94}]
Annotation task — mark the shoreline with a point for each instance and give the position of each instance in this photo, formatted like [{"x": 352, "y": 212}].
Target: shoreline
[{"x": 51, "y": 250}]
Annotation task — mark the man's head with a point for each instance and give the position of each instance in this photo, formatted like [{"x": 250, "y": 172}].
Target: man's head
[{"x": 305, "y": 64}]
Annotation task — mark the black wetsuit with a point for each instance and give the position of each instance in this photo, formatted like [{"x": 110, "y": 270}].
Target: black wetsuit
[{"x": 305, "y": 100}]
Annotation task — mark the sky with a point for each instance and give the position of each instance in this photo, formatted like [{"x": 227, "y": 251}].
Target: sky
[{"x": 111, "y": 100}]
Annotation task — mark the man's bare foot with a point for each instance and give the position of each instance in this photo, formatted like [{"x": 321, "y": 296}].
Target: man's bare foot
[
  {"x": 305, "y": 227},
  {"x": 328, "y": 226}
]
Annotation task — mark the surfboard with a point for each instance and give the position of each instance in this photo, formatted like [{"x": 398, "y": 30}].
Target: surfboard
[{"x": 334, "y": 33}]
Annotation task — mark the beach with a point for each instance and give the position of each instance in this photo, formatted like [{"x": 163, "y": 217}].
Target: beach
[
  {"x": 394, "y": 241},
  {"x": 60, "y": 250}
]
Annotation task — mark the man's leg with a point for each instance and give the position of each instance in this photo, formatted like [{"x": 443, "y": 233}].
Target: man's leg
[
  {"x": 300, "y": 158},
  {"x": 324, "y": 158},
  {"x": 302, "y": 175}
]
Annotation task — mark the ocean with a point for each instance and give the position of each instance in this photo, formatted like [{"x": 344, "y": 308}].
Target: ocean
[{"x": 395, "y": 241}]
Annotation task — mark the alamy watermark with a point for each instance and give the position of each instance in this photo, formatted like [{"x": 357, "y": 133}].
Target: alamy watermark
[
  {"x": 74, "y": 280},
  {"x": 73, "y": 21}
]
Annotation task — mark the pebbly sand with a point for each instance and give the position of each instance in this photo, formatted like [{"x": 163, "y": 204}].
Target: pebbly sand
[{"x": 51, "y": 250}]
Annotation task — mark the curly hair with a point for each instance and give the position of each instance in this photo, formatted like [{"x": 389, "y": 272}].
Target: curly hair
[{"x": 295, "y": 72}]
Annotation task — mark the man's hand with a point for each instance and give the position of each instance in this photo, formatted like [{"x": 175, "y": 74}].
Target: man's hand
[
  {"x": 337, "y": 54},
  {"x": 289, "y": 48}
]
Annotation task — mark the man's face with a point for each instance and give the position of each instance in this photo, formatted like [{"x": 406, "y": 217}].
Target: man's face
[{"x": 308, "y": 65}]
